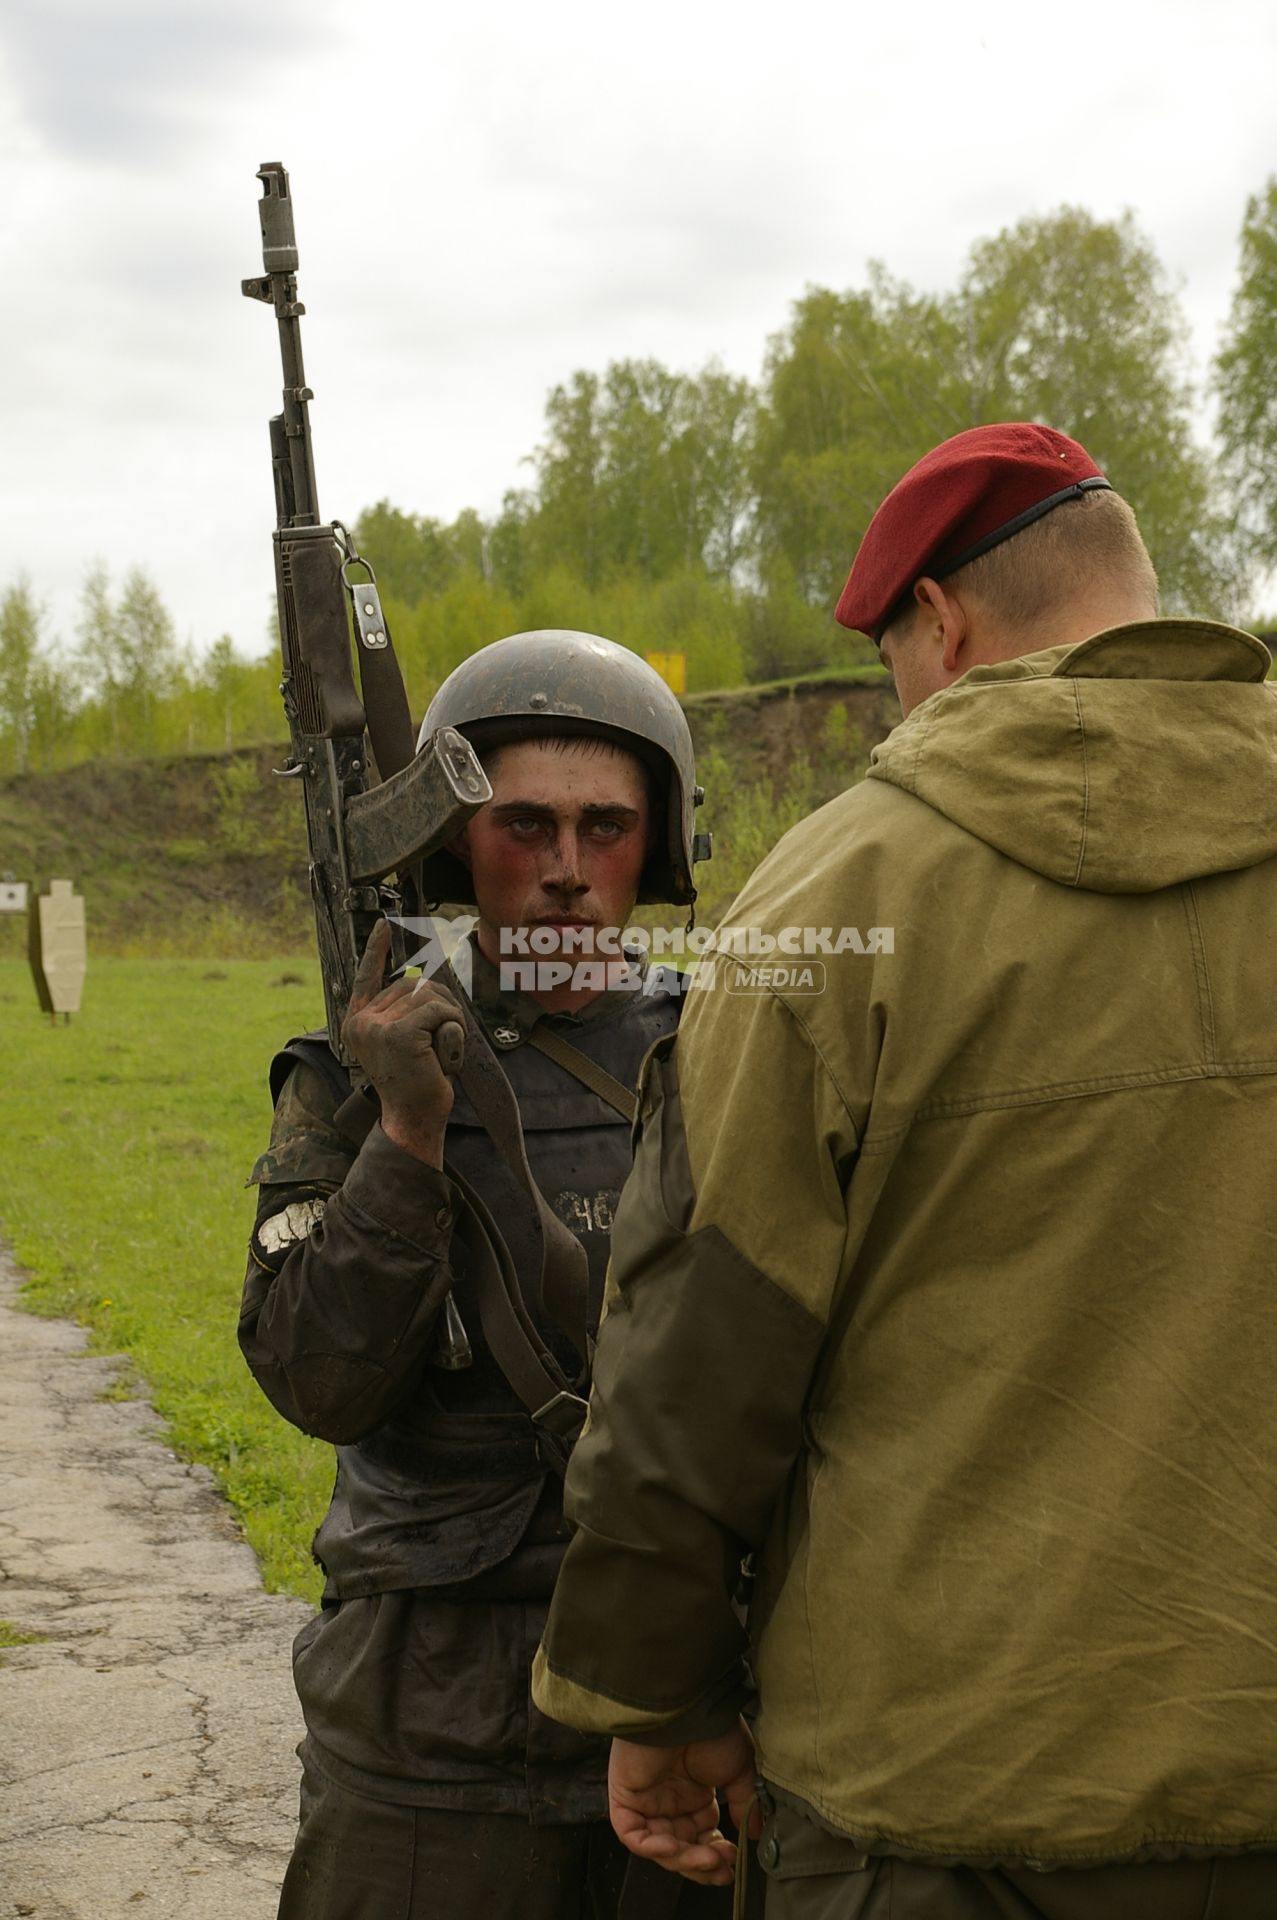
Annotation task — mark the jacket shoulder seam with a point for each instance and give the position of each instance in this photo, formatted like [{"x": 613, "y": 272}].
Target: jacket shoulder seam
[
  {"x": 1086, "y": 785},
  {"x": 818, "y": 1050},
  {"x": 1201, "y": 969},
  {"x": 877, "y": 1140}
]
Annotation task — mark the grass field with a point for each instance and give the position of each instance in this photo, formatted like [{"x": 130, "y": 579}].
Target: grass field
[
  {"x": 127, "y": 1138},
  {"x": 128, "y": 1134}
]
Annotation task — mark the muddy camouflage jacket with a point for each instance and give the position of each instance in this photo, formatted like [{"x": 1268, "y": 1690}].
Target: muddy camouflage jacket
[
  {"x": 441, "y": 1487},
  {"x": 438, "y": 1472},
  {"x": 971, "y": 1260}
]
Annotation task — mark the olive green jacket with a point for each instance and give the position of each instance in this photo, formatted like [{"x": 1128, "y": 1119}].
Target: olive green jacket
[{"x": 951, "y": 1289}]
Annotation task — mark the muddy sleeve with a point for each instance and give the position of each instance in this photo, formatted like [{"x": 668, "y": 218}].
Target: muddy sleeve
[
  {"x": 726, "y": 1255},
  {"x": 347, "y": 1269}
]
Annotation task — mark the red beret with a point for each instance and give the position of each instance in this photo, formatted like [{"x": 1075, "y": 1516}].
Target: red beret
[{"x": 961, "y": 499}]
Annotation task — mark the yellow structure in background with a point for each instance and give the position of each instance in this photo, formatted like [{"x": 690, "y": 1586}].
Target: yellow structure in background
[
  {"x": 59, "y": 957},
  {"x": 672, "y": 668}
]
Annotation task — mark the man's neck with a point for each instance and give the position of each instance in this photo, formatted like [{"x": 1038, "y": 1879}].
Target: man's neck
[
  {"x": 570, "y": 999},
  {"x": 539, "y": 976},
  {"x": 1067, "y": 627}
]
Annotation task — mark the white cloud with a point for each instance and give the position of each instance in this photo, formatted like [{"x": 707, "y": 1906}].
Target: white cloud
[
  {"x": 127, "y": 84},
  {"x": 490, "y": 198}
]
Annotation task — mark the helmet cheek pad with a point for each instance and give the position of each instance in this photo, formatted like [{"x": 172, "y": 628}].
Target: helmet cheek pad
[{"x": 557, "y": 682}]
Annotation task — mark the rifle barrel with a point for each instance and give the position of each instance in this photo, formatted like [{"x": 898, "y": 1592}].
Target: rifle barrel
[{"x": 297, "y": 499}]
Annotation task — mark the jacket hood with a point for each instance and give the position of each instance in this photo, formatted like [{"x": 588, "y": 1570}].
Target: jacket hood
[{"x": 1142, "y": 757}]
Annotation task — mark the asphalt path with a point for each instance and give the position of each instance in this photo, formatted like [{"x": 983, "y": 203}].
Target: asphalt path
[{"x": 147, "y": 1739}]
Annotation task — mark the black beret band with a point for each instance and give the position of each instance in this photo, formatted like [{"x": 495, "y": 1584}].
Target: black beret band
[{"x": 1023, "y": 520}]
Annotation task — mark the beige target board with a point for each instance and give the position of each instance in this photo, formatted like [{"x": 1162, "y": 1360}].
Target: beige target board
[{"x": 59, "y": 956}]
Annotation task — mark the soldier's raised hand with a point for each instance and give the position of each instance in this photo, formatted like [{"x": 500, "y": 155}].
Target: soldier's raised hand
[{"x": 392, "y": 1033}]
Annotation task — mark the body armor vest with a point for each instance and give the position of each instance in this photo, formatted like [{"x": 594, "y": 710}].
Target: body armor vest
[{"x": 446, "y": 1491}]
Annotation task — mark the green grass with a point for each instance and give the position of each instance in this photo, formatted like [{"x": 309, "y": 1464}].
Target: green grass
[
  {"x": 127, "y": 1138},
  {"x": 129, "y": 1132}
]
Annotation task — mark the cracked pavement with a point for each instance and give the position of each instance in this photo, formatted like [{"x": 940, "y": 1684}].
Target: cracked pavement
[{"x": 146, "y": 1741}]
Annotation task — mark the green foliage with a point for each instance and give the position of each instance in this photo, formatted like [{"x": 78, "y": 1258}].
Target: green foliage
[
  {"x": 230, "y": 701},
  {"x": 181, "y": 855},
  {"x": 696, "y": 512},
  {"x": 855, "y": 390},
  {"x": 124, "y": 1200},
  {"x": 645, "y": 472},
  {"x": 127, "y": 690},
  {"x": 747, "y": 819},
  {"x": 747, "y": 816},
  {"x": 1061, "y": 318},
  {"x": 251, "y": 824},
  {"x": 635, "y": 530},
  {"x": 414, "y": 556},
  {"x": 787, "y": 633},
  {"x": 1071, "y": 321},
  {"x": 1246, "y": 377},
  {"x": 176, "y": 855},
  {"x": 127, "y": 657},
  {"x": 19, "y": 666}
]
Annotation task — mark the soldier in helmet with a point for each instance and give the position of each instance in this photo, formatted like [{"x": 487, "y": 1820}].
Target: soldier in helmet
[{"x": 402, "y": 1283}]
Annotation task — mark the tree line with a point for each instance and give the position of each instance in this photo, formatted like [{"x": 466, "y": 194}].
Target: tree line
[
  {"x": 124, "y": 688},
  {"x": 705, "y": 513}
]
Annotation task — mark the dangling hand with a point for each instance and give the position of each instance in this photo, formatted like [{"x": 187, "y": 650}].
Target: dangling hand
[{"x": 663, "y": 1802}]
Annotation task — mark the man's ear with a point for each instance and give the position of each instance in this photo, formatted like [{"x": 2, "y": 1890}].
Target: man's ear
[
  {"x": 946, "y": 619},
  {"x": 459, "y": 846}
]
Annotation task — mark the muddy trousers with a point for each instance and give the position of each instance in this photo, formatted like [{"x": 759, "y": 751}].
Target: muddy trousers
[
  {"x": 808, "y": 1878},
  {"x": 359, "y": 1859}
]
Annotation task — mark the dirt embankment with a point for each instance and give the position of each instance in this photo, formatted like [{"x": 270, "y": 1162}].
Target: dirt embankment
[
  {"x": 206, "y": 851},
  {"x": 764, "y": 730}
]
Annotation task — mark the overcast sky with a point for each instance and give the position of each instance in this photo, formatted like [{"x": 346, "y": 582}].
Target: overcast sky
[{"x": 492, "y": 196}]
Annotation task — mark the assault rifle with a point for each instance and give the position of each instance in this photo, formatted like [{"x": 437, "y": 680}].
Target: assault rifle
[{"x": 362, "y": 828}]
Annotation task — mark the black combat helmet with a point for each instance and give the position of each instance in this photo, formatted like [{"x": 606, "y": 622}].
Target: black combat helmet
[{"x": 558, "y": 682}]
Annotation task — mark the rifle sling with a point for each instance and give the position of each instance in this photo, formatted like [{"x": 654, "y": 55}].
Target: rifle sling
[
  {"x": 530, "y": 1368},
  {"x": 390, "y": 730},
  {"x": 357, "y": 1115},
  {"x": 564, "y": 1268},
  {"x": 609, "y": 1089},
  {"x": 517, "y": 1347}
]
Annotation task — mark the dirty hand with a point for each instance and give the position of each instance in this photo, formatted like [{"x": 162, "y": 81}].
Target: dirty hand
[
  {"x": 390, "y": 1030},
  {"x": 663, "y": 1802}
]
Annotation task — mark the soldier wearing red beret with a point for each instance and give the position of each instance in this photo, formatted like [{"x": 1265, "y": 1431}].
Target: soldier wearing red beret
[{"x": 943, "y": 1286}]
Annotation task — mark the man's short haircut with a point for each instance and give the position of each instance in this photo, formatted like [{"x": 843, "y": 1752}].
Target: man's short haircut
[
  {"x": 1083, "y": 544},
  {"x": 489, "y": 739}
]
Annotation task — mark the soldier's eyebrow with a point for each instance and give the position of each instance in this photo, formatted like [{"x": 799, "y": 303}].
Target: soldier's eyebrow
[{"x": 614, "y": 809}]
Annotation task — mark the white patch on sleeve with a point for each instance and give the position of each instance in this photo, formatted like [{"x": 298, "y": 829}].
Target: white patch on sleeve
[{"x": 293, "y": 1224}]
